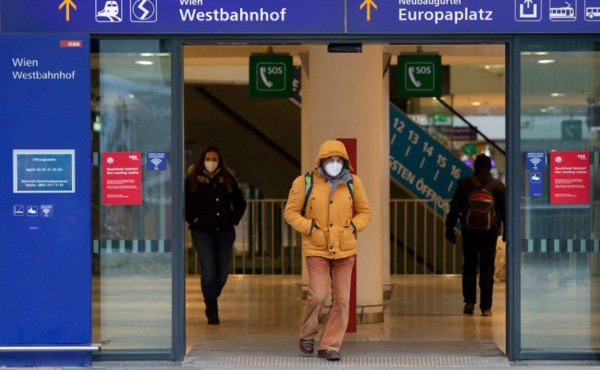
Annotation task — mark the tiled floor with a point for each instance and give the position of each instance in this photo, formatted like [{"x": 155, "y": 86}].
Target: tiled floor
[{"x": 261, "y": 314}]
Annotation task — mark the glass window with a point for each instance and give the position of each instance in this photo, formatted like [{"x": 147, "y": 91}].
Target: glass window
[
  {"x": 131, "y": 112},
  {"x": 560, "y": 226}
]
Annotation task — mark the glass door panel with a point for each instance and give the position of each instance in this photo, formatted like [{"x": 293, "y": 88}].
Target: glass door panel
[
  {"x": 132, "y": 271},
  {"x": 560, "y": 197}
]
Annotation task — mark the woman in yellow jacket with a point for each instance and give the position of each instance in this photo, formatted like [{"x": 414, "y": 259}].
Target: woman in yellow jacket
[{"x": 336, "y": 209}]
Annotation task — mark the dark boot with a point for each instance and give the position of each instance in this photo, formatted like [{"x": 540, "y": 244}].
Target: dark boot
[{"x": 212, "y": 312}]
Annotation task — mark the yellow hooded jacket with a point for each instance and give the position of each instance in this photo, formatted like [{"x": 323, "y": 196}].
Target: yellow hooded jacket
[{"x": 331, "y": 212}]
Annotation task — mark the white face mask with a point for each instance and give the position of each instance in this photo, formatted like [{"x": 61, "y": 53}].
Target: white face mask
[
  {"x": 211, "y": 166},
  {"x": 334, "y": 168}
]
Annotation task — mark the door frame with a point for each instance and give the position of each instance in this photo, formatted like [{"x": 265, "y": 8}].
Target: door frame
[{"x": 178, "y": 223}]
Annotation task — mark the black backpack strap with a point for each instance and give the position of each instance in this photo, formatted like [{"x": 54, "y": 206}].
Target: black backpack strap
[
  {"x": 476, "y": 184},
  {"x": 350, "y": 184},
  {"x": 308, "y": 184},
  {"x": 488, "y": 186}
]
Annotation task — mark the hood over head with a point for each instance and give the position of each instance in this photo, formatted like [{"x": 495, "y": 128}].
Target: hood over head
[
  {"x": 482, "y": 163},
  {"x": 331, "y": 148}
]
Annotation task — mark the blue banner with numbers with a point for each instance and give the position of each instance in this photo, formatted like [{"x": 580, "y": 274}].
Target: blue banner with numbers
[
  {"x": 421, "y": 164},
  {"x": 45, "y": 198}
]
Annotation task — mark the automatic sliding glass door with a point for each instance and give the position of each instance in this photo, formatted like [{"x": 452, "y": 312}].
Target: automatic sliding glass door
[
  {"x": 132, "y": 202},
  {"x": 560, "y": 198}
]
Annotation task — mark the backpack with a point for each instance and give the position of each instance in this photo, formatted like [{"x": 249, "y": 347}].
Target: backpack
[
  {"x": 480, "y": 209},
  {"x": 308, "y": 183}
]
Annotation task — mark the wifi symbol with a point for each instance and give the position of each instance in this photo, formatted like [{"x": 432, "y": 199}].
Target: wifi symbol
[{"x": 535, "y": 161}]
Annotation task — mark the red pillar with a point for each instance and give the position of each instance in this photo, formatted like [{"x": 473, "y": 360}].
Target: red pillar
[{"x": 350, "y": 144}]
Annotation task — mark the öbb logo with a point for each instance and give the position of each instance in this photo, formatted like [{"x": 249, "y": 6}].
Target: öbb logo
[{"x": 71, "y": 43}]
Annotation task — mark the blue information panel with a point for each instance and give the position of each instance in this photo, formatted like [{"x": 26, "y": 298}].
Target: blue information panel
[
  {"x": 45, "y": 198},
  {"x": 535, "y": 160},
  {"x": 536, "y": 188},
  {"x": 421, "y": 164},
  {"x": 174, "y": 16},
  {"x": 156, "y": 161},
  {"x": 473, "y": 16},
  {"x": 43, "y": 171}
]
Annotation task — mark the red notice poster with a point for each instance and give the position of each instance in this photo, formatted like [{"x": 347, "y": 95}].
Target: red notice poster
[
  {"x": 121, "y": 178},
  {"x": 570, "y": 177}
]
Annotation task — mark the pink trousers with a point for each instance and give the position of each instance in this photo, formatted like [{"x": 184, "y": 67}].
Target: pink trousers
[{"x": 325, "y": 276}]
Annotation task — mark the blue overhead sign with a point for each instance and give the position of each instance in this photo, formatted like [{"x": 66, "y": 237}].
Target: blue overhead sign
[
  {"x": 473, "y": 16},
  {"x": 174, "y": 16},
  {"x": 301, "y": 16}
]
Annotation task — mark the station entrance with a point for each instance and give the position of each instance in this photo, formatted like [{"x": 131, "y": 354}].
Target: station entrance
[
  {"x": 163, "y": 86},
  {"x": 160, "y": 96},
  {"x": 261, "y": 140},
  {"x": 263, "y": 297}
]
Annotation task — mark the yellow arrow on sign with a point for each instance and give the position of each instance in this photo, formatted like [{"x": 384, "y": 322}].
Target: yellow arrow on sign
[
  {"x": 368, "y": 4},
  {"x": 67, "y": 4}
]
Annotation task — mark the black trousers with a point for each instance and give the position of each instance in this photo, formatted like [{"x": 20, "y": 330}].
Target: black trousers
[{"x": 479, "y": 250}]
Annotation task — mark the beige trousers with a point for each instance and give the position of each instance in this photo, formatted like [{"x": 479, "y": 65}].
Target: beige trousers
[{"x": 325, "y": 276}]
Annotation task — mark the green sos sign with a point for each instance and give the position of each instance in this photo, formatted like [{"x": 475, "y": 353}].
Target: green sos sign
[
  {"x": 420, "y": 75},
  {"x": 271, "y": 76}
]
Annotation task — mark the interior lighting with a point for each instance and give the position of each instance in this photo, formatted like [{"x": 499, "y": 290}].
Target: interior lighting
[
  {"x": 494, "y": 67},
  {"x": 557, "y": 95},
  {"x": 97, "y": 125},
  {"x": 150, "y": 55},
  {"x": 144, "y": 62},
  {"x": 476, "y": 103},
  {"x": 546, "y": 61}
]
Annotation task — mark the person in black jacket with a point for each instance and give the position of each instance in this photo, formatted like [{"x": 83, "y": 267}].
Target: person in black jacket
[
  {"x": 213, "y": 205},
  {"x": 479, "y": 247}
]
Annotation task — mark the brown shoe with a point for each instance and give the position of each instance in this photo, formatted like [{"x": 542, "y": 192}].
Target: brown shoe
[
  {"x": 486, "y": 312},
  {"x": 307, "y": 345},
  {"x": 329, "y": 354}
]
